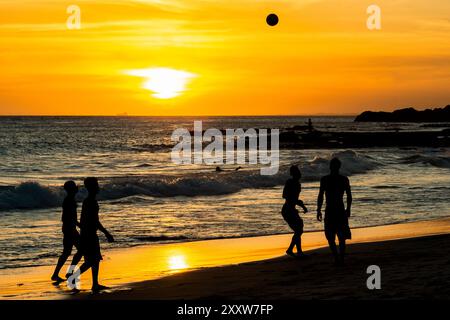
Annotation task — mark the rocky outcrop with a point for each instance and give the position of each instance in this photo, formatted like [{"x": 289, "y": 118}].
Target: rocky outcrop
[{"x": 407, "y": 115}]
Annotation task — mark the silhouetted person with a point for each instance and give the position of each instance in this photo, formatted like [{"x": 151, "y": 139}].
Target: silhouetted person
[
  {"x": 336, "y": 215},
  {"x": 71, "y": 237},
  {"x": 89, "y": 224},
  {"x": 291, "y": 193},
  {"x": 310, "y": 126}
]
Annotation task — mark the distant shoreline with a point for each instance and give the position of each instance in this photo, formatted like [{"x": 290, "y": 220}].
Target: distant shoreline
[{"x": 183, "y": 116}]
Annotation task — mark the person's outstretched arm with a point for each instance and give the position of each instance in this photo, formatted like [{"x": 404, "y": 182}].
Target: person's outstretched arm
[
  {"x": 348, "y": 191},
  {"x": 320, "y": 201},
  {"x": 107, "y": 234}
]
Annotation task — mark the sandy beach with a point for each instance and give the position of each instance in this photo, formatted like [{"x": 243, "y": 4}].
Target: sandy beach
[
  {"x": 412, "y": 257},
  {"x": 416, "y": 268}
]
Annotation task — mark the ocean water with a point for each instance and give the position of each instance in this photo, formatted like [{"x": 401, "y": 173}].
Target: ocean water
[{"x": 145, "y": 198}]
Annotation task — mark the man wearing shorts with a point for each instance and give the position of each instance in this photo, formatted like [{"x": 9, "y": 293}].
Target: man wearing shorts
[
  {"x": 69, "y": 229},
  {"x": 89, "y": 224},
  {"x": 334, "y": 186}
]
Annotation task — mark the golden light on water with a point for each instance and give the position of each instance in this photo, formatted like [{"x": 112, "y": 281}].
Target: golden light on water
[
  {"x": 177, "y": 262},
  {"x": 164, "y": 83}
]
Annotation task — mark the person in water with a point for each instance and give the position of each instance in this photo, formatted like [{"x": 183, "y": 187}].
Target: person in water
[
  {"x": 334, "y": 186},
  {"x": 71, "y": 237},
  {"x": 89, "y": 224},
  {"x": 291, "y": 193}
]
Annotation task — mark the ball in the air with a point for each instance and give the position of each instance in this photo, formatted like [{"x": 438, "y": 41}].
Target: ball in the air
[{"x": 272, "y": 19}]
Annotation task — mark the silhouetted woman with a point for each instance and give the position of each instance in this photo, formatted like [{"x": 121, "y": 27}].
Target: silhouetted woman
[{"x": 291, "y": 193}]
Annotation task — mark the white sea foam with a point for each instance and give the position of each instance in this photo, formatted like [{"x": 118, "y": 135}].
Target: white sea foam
[{"x": 32, "y": 195}]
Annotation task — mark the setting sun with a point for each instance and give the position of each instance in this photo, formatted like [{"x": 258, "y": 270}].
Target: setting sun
[{"x": 165, "y": 83}]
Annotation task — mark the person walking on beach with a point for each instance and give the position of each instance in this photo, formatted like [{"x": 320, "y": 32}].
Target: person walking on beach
[
  {"x": 89, "y": 224},
  {"x": 334, "y": 186},
  {"x": 71, "y": 237},
  {"x": 291, "y": 193}
]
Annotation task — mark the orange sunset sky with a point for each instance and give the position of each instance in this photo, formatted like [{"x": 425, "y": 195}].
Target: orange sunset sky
[{"x": 205, "y": 57}]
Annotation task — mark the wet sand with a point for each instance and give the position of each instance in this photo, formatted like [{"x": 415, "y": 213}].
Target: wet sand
[{"x": 416, "y": 266}]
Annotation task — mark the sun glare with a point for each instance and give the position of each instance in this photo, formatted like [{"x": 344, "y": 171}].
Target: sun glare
[
  {"x": 165, "y": 83},
  {"x": 177, "y": 262}
]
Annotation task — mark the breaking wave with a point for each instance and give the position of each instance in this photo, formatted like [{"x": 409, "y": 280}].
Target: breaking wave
[
  {"x": 433, "y": 160},
  {"x": 31, "y": 195}
]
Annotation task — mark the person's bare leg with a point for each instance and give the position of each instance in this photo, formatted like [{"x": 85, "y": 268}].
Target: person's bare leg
[
  {"x": 342, "y": 249},
  {"x": 96, "y": 287},
  {"x": 61, "y": 260},
  {"x": 290, "y": 250},
  {"x": 76, "y": 259},
  {"x": 295, "y": 242},
  {"x": 84, "y": 267},
  {"x": 298, "y": 244},
  {"x": 332, "y": 244},
  {"x": 95, "y": 267}
]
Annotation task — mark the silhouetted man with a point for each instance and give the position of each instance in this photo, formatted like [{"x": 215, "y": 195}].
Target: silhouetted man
[
  {"x": 89, "y": 224},
  {"x": 336, "y": 215},
  {"x": 69, "y": 229}
]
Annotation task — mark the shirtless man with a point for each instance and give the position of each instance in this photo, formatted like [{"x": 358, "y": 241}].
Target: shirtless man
[
  {"x": 69, "y": 229},
  {"x": 334, "y": 186}
]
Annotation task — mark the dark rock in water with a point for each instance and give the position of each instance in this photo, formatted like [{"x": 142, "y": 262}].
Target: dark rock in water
[
  {"x": 289, "y": 136},
  {"x": 304, "y": 128},
  {"x": 317, "y": 139},
  {"x": 406, "y": 115}
]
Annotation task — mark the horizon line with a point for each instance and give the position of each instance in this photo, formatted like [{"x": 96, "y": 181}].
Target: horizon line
[{"x": 181, "y": 115}]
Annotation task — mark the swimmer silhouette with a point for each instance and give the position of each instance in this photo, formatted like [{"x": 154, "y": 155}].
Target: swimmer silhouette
[
  {"x": 336, "y": 215},
  {"x": 291, "y": 193},
  {"x": 71, "y": 237},
  {"x": 310, "y": 125},
  {"x": 89, "y": 224}
]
